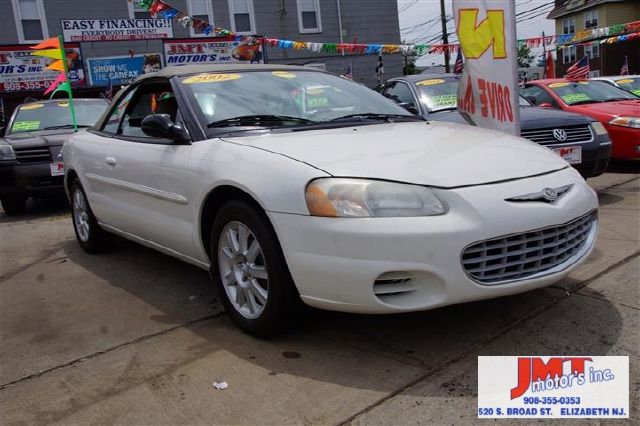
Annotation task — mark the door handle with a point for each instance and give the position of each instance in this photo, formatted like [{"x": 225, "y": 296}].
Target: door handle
[{"x": 110, "y": 161}]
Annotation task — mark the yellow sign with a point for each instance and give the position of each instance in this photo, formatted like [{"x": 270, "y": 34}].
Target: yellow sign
[
  {"x": 430, "y": 82},
  {"x": 554, "y": 85},
  {"x": 624, "y": 81},
  {"x": 284, "y": 74},
  {"x": 211, "y": 78},
  {"x": 63, "y": 104},
  {"x": 32, "y": 106},
  {"x": 476, "y": 39}
]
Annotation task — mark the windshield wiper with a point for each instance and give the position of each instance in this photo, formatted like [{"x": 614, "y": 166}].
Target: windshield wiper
[
  {"x": 586, "y": 101},
  {"x": 375, "y": 116},
  {"x": 259, "y": 120},
  {"x": 63, "y": 126}
]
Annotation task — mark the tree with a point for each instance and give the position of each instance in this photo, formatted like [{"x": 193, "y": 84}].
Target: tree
[{"x": 525, "y": 57}]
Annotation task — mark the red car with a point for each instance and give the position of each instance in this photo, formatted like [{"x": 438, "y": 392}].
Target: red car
[{"x": 617, "y": 109}]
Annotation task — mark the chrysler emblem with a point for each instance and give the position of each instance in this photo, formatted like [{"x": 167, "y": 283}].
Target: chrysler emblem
[
  {"x": 547, "y": 195},
  {"x": 560, "y": 135}
]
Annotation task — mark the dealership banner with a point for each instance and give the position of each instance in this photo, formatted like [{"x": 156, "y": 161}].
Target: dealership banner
[
  {"x": 116, "y": 29},
  {"x": 488, "y": 89},
  {"x": 121, "y": 69},
  {"x": 579, "y": 387},
  {"x": 220, "y": 50},
  {"x": 19, "y": 70}
]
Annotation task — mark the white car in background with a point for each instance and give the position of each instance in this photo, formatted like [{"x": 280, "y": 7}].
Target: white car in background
[
  {"x": 291, "y": 184},
  {"x": 630, "y": 83}
]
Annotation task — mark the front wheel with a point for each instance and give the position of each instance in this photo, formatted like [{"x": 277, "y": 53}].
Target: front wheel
[
  {"x": 250, "y": 270},
  {"x": 90, "y": 236}
]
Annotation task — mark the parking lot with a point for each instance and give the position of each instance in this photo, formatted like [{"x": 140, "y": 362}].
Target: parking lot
[{"x": 133, "y": 336}]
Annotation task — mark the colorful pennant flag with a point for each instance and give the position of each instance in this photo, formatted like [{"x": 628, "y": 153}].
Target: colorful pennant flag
[{"x": 54, "y": 48}]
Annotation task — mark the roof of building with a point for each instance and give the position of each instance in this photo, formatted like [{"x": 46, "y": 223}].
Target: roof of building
[
  {"x": 572, "y": 6},
  {"x": 172, "y": 71}
]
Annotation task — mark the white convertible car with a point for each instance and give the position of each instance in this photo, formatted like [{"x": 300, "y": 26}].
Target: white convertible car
[{"x": 291, "y": 184}]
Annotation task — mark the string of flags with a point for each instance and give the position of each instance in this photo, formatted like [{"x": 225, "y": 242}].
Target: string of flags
[
  {"x": 162, "y": 9},
  {"x": 53, "y": 48}
]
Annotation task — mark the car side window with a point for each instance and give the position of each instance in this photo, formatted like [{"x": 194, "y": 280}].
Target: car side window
[
  {"x": 536, "y": 95},
  {"x": 112, "y": 123},
  {"x": 153, "y": 98},
  {"x": 400, "y": 93}
]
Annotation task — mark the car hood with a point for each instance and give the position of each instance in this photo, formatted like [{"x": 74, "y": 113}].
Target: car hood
[
  {"x": 428, "y": 153},
  {"x": 41, "y": 138},
  {"x": 530, "y": 118},
  {"x": 609, "y": 109}
]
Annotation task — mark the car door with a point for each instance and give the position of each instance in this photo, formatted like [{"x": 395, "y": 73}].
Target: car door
[
  {"x": 151, "y": 185},
  {"x": 400, "y": 92}
]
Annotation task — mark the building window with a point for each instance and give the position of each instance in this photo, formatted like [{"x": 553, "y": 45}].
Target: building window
[
  {"x": 594, "y": 73},
  {"x": 137, "y": 12},
  {"x": 30, "y": 20},
  {"x": 242, "y": 17},
  {"x": 200, "y": 9},
  {"x": 569, "y": 26},
  {"x": 592, "y": 51},
  {"x": 309, "y": 19},
  {"x": 568, "y": 55},
  {"x": 591, "y": 18}
]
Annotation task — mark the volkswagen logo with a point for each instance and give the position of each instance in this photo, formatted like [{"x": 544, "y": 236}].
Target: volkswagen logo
[
  {"x": 560, "y": 135},
  {"x": 550, "y": 194}
]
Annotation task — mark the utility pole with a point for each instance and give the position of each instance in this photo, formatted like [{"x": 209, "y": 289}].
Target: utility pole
[
  {"x": 544, "y": 56},
  {"x": 445, "y": 36}
]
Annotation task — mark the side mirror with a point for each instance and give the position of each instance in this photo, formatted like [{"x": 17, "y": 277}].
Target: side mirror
[
  {"x": 409, "y": 107},
  {"x": 545, "y": 105},
  {"x": 161, "y": 126}
]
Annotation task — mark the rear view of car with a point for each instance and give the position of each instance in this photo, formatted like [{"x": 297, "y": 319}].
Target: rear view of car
[{"x": 29, "y": 152}]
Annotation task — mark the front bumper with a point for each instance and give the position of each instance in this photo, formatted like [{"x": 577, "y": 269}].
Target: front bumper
[
  {"x": 27, "y": 180},
  {"x": 335, "y": 262},
  {"x": 626, "y": 142}
]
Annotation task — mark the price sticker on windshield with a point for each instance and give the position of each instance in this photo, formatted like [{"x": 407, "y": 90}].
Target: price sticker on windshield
[
  {"x": 24, "y": 126},
  {"x": 211, "y": 78},
  {"x": 30, "y": 107},
  {"x": 572, "y": 98},
  {"x": 284, "y": 74},
  {"x": 430, "y": 82}
]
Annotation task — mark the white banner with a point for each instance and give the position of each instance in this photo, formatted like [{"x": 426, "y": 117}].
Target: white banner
[
  {"x": 553, "y": 387},
  {"x": 116, "y": 29},
  {"x": 488, "y": 89},
  {"x": 219, "y": 50}
]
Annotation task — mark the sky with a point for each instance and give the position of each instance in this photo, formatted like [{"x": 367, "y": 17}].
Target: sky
[{"x": 420, "y": 23}]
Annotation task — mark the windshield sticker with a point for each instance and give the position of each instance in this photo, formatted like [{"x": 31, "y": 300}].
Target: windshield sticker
[
  {"x": 572, "y": 98},
  {"x": 444, "y": 100},
  {"x": 211, "y": 78},
  {"x": 430, "y": 82},
  {"x": 284, "y": 74},
  {"x": 554, "y": 85},
  {"x": 624, "y": 81},
  {"x": 63, "y": 104},
  {"x": 317, "y": 101},
  {"x": 636, "y": 92},
  {"x": 23, "y": 126},
  {"x": 32, "y": 106}
]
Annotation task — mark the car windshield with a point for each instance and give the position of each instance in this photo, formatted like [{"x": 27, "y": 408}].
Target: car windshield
[
  {"x": 286, "y": 98},
  {"x": 54, "y": 115},
  {"x": 587, "y": 92},
  {"x": 437, "y": 94},
  {"x": 630, "y": 84}
]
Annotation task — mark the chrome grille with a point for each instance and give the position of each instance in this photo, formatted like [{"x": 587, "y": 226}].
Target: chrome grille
[
  {"x": 33, "y": 155},
  {"x": 520, "y": 256},
  {"x": 575, "y": 134}
]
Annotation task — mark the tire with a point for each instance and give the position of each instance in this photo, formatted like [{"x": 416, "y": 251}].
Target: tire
[
  {"x": 14, "y": 206},
  {"x": 91, "y": 237},
  {"x": 254, "y": 283}
]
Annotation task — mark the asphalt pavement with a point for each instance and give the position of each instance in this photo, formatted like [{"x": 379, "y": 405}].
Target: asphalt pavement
[{"x": 135, "y": 337}]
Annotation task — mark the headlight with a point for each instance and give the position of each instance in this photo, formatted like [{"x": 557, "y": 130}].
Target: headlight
[
  {"x": 342, "y": 197},
  {"x": 598, "y": 128},
  {"x": 626, "y": 122},
  {"x": 6, "y": 152}
]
